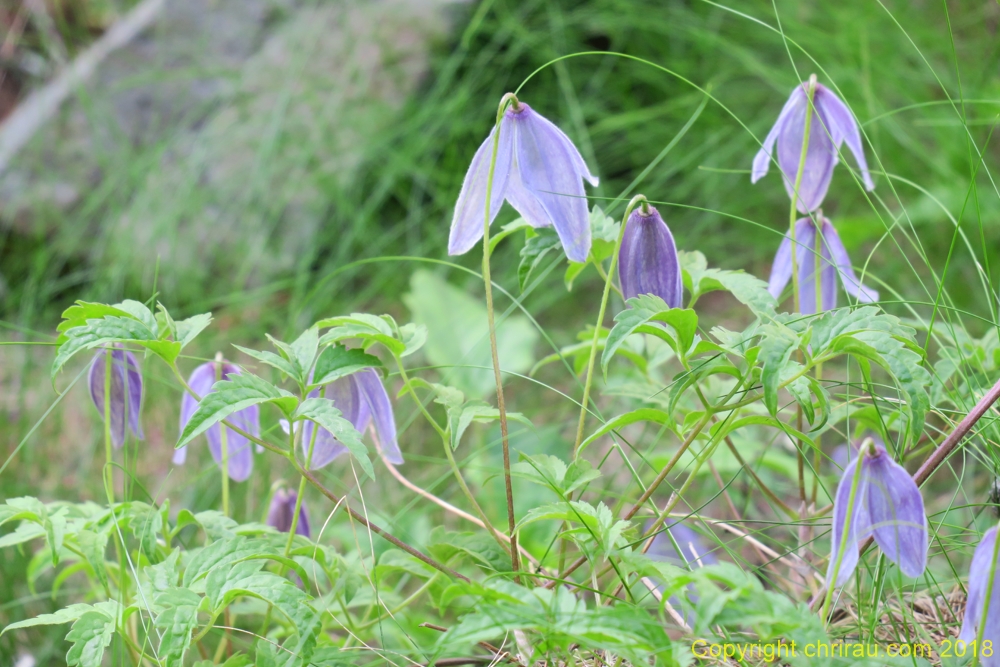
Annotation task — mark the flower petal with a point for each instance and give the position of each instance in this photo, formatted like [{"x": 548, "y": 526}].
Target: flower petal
[
  {"x": 858, "y": 529},
  {"x": 805, "y": 259},
  {"x": 842, "y": 127},
  {"x": 525, "y": 202},
  {"x": 467, "y": 222},
  {"x": 979, "y": 575},
  {"x": 847, "y": 276},
  {"x": 546, "y": 160},
  {"x": 821, "y": 157},
  {"x": 371, "y": 388},
  {"x": 123, "y": 384},
  {"x": 647, "y": 261},
  {"x": 781, "y": 268},
  {"x": 762, "y": 160},
  {"x": 897, "y": 514}
]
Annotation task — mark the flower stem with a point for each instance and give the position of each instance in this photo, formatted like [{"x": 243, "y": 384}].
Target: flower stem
[
  {"x": 636, "y": 201},
  {"x": 224, "y": 440},
  {"x": 810, "y": 91},
  {"x": 507, "y": 99},
  {"x": 109, "y": 475}
]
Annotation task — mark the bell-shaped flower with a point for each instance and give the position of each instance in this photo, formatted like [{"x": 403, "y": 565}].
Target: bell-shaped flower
[
  {"x": 831, "y": 126},
  {"x": 125, "y": 391},
  {"x": 647, "y": 260},
  {"x": 887, "y": 505},
  {"x": 983, "y": 561},
  {"x": 282, "y": 509},
  {"x": 362, "y": 400},
  {"x": 825, "y": 249},
  {"x": 239, "y": 454},
  {"x": 539, "y": 171}
]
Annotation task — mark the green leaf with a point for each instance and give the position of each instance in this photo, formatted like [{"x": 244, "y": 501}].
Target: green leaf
[
  {"x": 94, "y": 545},
  {"x": 304, "y": 350},
  {"x": 748, "y": 290},
  {"x": 177, "y": 621},
  {"x": 507, "y": 230},
  {"x": 642, "y": 414},
  {"x": 777, "y": 344},
  {"x": 604, "y": 237},
  {"x": 322, "y": 412},
  {"x": 642, "y": 316},
  {"x": 336, "y": 361},
  {"x": 413, "y": 336},
  {"x": 233, "y": 395},
  {"x": 81, "y": 312},
  {"x": 273, "y": 360},
  {"x": 460, "y": 418},
  {"x": 65, "y": 615},
  {"x": 480, "y": 547},
  {"x": 368, "y": 328},
  {"x": 187, "y": 330},
  {"x": 534, "y": 251},
  {"x": 90, "y": 635},
  {"x": 140, "y": 312},
  {"x": 146, "y": 523},
  {"x": 552, "y": 472}
]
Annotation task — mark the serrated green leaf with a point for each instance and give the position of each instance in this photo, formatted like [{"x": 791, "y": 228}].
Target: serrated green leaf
[
  {"x": 232, "y": 395},
  {"x": 82, "y": 311},
  {"x": 552, "y": 472},
  {"x": 460, "y": 418},
  {"x": 140, "y": 312},
  {"x": 778, "y": 343},
  {"x": 304, "y": 350},
  {"x": 322, "y": 412},
  {"x": 369, "y": 328},
  {"x": 187, "y": 330},
  {"x": 273, "y": 360},
  {"x": 94, "y": 545},
  {"x": 336, "y": 361},
  {"x": 177, "y": 621},
  {"x": 90, "y": 635},
  {"x": 645, "y": 314},
  {"x": 413, "y": 336},
  {"x": 642, "y": 414}
]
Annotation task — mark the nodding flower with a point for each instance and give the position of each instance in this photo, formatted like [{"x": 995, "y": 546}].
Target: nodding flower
[
  {"x": 238, "y": 452},
  {"x": 886, "y": 504},
  {"x": 831, "y": 126},
  {"x": 825, "y": 249},
  {"x": 362, "y": 400},
  {"x": 125, "y": 392},
  {"x": 282, "y": 509},
  {"x": 538, "y": 170},
  {"x": 647, "y": 261},
  {"x": 983, "y": 561}
]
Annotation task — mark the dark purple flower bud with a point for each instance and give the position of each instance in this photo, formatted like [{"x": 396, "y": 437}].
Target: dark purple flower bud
[
  {"x": 825, "y": 249},
  {"x": 831, "y": 126},
  {"x": 238, "y": 450},
  {"x": 282, "y": 509},
  {"x": 125, "y": 391},
  {"x": 983, "y": 560},
  {"x": 539, "y": 171},
  {"x": 647, "y": 261},
  {"x": 362, "y": 399},
  {"x": 887, "y": 505}
]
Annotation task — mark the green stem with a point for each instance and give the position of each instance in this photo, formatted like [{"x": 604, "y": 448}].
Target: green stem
[
  {"x": 109, "y": 479},
  {"x": 810, "y": 92},
  {"x": 224, "y": 454},
  {"x": 588, "y": 381},
  {"x": 507, "y": 100},
  {"x": 986, "y": 599}
]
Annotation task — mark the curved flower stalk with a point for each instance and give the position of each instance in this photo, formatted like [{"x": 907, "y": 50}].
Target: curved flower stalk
[
  {"x": 238, "y": 450},
  {"x": 983, "y": 562},
  {"x": 282, "y": 509},
  {"x": 647, "y": 260},
  {"x": 832, "y": 125},
  {"x": 362, "y": 399},
  {"x": 833, "y": 261},
  {"x": 886, "y": 504},
  {"x": 539, "y": 171},
  {"x": 125, "y": 391}
]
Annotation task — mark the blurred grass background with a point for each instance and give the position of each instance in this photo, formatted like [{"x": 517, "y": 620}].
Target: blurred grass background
[{"x": 342, "y": 134}]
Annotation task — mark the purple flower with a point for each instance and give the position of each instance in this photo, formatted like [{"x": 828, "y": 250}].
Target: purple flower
[
  {"x": 238, "y": 451},
  {"x": 979, "y": 578},
  {"x": 693, "y": 554},
  {"x": 124, "y": 384},
  {"x": 833, "y": 260},
  {"x": 888, "y": 505},
  {"x": 647, "y": 261},
  {"x": 279, "y": 515},
  {"x": 832, "y": 124},
  {"x": 361, "y": 399},
  {"x": 539, "y": 171}
]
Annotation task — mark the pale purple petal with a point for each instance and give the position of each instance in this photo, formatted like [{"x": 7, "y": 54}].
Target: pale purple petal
[
  {"x": 805, "y": 259},
  {"x": 816, "y": 251},
  {"x": 468, "y": 221},
  {"x": 781, "y": 269},
  {"x": 858, "y": 529},
  {"x": 578, "y": 162},
  {"x": 847, "y": 276},
  {"x": 762, "y": 160},
  {"x": 546, "y": 161},
  {"x": 125, "y": 392},
  {"x": 371, "y": 388},
  {"x": 979, "y": 576},
  {"x": 180, "y": 455},
  {"x": 647, "y": 260},
  {"x": 843, "y": 128},
  {"x": 282, "y": 509},
  {"x": 525, "y": 202},
  {"x": 326, "y": 447},
  {"x": 821, "y": 157},
  {"x": 896, "y": 509}
]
